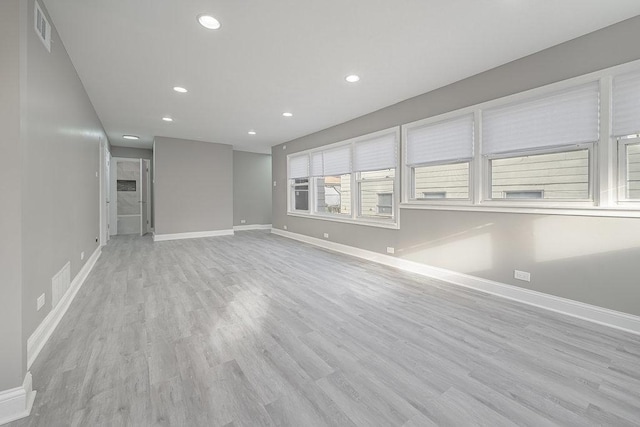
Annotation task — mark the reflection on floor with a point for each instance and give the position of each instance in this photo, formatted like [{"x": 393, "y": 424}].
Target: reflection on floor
[{"x": 255, "y": 329}]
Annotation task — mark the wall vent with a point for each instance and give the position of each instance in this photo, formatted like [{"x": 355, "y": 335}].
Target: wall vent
[
  {"x": 60, "y": 283},
  {"x": 42, "y": 27}
]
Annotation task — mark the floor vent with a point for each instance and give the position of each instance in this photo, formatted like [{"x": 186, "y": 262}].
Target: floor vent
[{"x": 60, "y": 284}]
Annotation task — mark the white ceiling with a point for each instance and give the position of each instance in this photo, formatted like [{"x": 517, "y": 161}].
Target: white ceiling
[{"x": 292, "y": 55}]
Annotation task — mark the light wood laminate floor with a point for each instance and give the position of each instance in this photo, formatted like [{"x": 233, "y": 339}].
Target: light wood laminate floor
[{"x": 255, "y": 329}]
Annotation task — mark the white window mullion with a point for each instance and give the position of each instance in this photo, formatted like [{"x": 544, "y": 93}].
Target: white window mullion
[
  {"x": 604, "y": 183},
  {"x": 406, "y": 171},
  {"x": 478, "y": 176},
  {"x": 355, "y": 195}
]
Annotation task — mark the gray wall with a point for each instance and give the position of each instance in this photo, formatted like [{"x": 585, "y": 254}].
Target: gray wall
[
  {"x": 193, "y": 186},
  {"x": 251, "y": 188},
  {"x": 60, "y": 159},
  {"x": 11, "y": 350},
  {"x": 588, "y": 259}
]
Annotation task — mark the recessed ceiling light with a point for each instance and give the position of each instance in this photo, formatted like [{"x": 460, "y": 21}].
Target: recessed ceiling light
[
  {"x": 209, "y": 22},
  {"x": 130, "y": 137},
  {"x": 180, "y": 89},
  {"x": 287, "y": 114},
  {"x": 167, "y": 119},
  {"x": 352, "y": 78},
  {"x": 252, "y": 132}
]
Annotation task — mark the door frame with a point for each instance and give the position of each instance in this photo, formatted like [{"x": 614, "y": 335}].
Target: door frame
[{"x": 104, "y": 193}]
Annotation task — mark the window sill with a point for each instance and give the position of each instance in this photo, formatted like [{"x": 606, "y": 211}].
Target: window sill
[
  {"x": 583, "y": 210},
  {"x": 366, "y": 222}
]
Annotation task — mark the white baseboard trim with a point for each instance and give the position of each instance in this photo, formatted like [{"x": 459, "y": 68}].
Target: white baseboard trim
[
  {"x": 17, "y": 402},
  {"x": 192, "y": 235},
  {"x": 591, "y": 313},
  {"x": 43, "y": 332},
  {"x": 252, "y": 227}
]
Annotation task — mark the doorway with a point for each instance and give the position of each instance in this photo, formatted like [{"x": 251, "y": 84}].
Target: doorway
[{"x": 130, "y": 193}]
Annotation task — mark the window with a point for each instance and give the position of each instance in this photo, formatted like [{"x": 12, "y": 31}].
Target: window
[
  {"x": 626, "y": 127},
  {"x": 441, "y": 181},
  {"x": 331, "y": 170},
  {"x": 632, "y": 175},
  {"x": 353, "y": 180},
  {"x": 561, "y": 176},
  {"x": 375, "y": 163},
  {"x": 299, "y": 183},
  {"x": 376, "y": 193},
  {"x": 629, "y": 167},
  {"x": 552, "y": 147},
  {"x": 540, "y": 149},
  {"x": 333, "y": 194},
  {"x": 438, "y": 156}
]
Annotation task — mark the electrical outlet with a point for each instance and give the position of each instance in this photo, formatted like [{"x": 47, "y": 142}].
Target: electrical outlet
[
  {"x": 391, "y": 250},
  {"x": 284, "y": 147},
  {"x": 326, "y": 235},
  {"x": 243, "y": 221},
  {"x": 284, "y": 226},
  {"x": 96, "y": 174},
  {"x": 274, "y": 183},
  {"x": 522, "y": 275},
  {"x": 81, "y": 255},
  {"x": 40, "y": 302}
]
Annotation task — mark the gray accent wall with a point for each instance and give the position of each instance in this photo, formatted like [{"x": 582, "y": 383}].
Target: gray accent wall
[
  {"x": 193, "y": 186},
  {"x": 587, "y": 259},
  {"x": 251, "y": 188},
  {"x": 12, "y": 348}
]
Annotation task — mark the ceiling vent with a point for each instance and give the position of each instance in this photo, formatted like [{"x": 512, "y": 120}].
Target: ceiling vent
[{"x": 42, "y": 27}]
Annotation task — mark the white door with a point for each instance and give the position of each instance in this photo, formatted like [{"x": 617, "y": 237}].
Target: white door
[
  {"x": 147, "y": 164},
  {"x": 113, "y": 196},
  {"x": 143, "y": 197},
  {"x": 106, "y": 201}
]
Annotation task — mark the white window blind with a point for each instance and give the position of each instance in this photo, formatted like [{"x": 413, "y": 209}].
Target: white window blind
[
  {"x": 376, "y": 154},
  {"x": 299, "y": 166},
  {"x": 626, "y": 104},
  {"x": 317, "y": 164},
  {"x": 441, "y": 142},
  {"x": 336, "y": 161},
  {"x": 565, "y": 118}
]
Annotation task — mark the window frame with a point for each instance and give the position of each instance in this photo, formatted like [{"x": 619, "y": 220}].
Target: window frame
[
  {"x": 621, "y": 144},
  {"x": 354, "y": 217}
]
